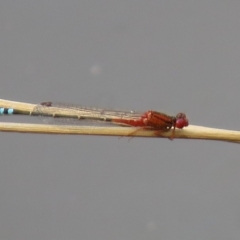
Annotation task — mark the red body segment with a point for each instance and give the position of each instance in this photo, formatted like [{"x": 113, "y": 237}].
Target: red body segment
[{"x": 156, "y": 120}]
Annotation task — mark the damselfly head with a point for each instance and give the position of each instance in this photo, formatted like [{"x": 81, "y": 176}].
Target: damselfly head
[{"x": 181, "y": 120}]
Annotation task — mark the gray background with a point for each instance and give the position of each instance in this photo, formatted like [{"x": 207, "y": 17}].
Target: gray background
[{"x": 164, "y": 55}]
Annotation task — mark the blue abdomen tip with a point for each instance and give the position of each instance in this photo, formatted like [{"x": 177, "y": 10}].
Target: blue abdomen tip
[
  {"x": 10, "y": 111},
  {"x": 6, "y": 111}
]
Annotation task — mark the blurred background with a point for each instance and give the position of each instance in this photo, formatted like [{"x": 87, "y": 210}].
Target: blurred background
[{"x": 169, "y": 56}]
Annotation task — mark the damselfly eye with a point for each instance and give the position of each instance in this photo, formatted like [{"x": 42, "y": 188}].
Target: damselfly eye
[{"x": 182, "y": 120}]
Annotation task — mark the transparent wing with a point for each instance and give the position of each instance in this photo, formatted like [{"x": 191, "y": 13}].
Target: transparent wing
[{"x": 71, "y": 111}]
